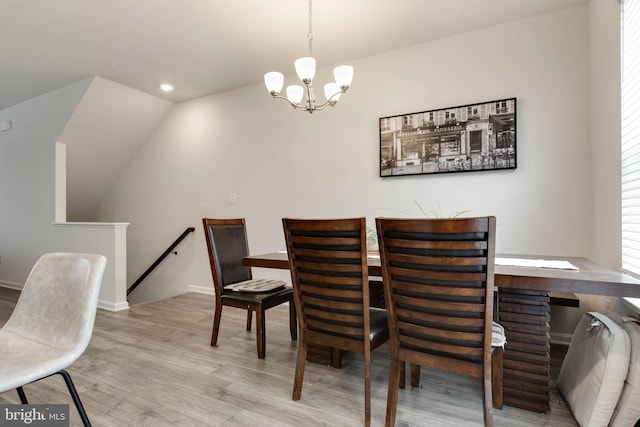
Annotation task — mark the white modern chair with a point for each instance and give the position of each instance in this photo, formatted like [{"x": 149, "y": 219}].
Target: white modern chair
[{"x": 52, "y": 322}]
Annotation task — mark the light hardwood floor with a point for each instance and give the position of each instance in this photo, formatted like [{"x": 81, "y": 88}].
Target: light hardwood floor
[{"x": 152, "y": 366}]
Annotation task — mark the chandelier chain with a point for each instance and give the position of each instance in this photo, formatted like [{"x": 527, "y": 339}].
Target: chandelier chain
[{"x": 310, "y": 34}]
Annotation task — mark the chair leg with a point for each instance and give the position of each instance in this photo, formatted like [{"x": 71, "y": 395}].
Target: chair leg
[
  {"x": 23, "y": 397},
  {"x": 497, "y": 388},
  {"x": 415, "y": 375},
  {"x": 487, "y": 399},
  {"x": 293, "y": 321},
  {"x": 393, "y": 390},
  {"x": 75, "y": 397},
  {"x": 367, "y": 389},
  {"x": 336, "y": 358},
  {"x": 260, "y": 332},
  {"x": 249, "y": 318},
  {"x": 403, "y": 374},
  {"x": 300, "y": 364},
  {"x": 216, "y": 323}
]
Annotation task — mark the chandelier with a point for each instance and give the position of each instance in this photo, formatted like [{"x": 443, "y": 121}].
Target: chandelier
[{"x": 306, "y": 70}]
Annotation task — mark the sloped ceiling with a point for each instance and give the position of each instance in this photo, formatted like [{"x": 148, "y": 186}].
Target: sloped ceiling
[{"x": 107, "y": 128}]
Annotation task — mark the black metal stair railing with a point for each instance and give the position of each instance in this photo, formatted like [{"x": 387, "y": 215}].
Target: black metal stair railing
[{"x": 169, "y": 250}]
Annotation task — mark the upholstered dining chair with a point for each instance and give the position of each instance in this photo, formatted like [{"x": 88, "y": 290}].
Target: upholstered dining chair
[
  {"x": 52, "y": 322},
  {"x": 233, "y": 283},
  {"x": 328, "y": 264},
  {"x": 438, "y": 278}
]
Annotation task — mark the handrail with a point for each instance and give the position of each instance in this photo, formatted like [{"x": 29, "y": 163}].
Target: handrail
[{"x": 160, "y": 259}]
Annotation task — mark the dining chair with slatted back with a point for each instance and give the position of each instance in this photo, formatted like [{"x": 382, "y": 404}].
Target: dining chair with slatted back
[
  {"x": 438, "y": 278},
  {"x": 328, "y": 264},
  {"x": 233, "y": 283},
  {"x": 52, "y": 322}
]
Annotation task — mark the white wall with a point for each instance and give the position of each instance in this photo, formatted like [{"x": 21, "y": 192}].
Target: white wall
[
  {"x": 60, "y": 192},
  {"x": 27, "y": 177},
  {"x": 281, "y": 162},
  {"x": 605, "y": 163},
  {"x": 28, "y": 189},
  {"x": 108, "y": 239},
  {"x": 604, "y": 41}
]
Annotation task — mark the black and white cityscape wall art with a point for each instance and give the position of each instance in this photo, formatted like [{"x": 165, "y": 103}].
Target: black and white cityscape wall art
[{"x": 474, "y": 137}]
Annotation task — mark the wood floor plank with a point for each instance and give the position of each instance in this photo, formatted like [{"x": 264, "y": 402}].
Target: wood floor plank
[{"x": 153, "y": 366}]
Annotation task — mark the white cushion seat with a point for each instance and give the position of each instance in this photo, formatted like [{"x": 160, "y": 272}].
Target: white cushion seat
[
  {"x": 594, "y": 369},
  {"x": 498, "y": 337},
  {"x": 627, "y": 411},
  {"x": 256, "y": 285}
]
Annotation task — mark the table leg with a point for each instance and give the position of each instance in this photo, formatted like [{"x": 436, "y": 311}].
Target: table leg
[{"x": 525, "y": 315}]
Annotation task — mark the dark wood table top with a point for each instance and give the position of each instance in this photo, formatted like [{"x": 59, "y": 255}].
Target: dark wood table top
[{"x": 591, "y": 278}]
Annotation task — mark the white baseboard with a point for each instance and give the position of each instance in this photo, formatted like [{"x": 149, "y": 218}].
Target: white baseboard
[
  {"x": 201, "y": 289},
  {"x": 110, "y": 306}
]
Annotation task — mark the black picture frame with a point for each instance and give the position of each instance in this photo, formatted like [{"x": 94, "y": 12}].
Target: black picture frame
[{"x": 467, "y": 138}]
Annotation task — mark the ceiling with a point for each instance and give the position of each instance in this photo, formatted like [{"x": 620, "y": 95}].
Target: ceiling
[{"x": 209, "y": 46}]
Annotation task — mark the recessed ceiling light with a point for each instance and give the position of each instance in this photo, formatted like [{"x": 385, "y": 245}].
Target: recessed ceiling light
[{"x": 166, "y": 87}]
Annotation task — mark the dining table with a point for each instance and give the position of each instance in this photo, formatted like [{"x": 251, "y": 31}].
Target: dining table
[{"x": 525, "y": 288}]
